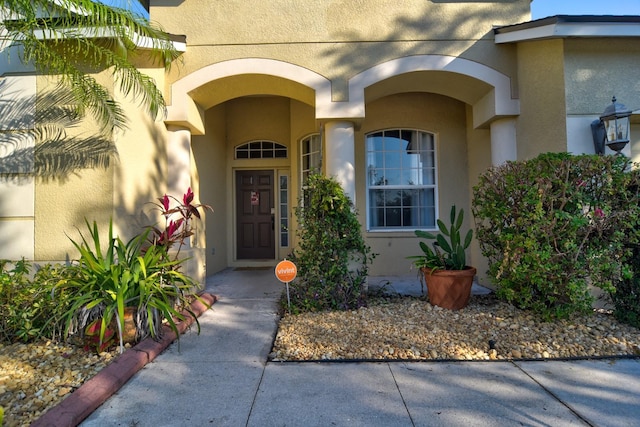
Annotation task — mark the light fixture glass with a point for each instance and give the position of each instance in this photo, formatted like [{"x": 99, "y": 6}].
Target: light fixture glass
[{"x": 616, "y": 124}]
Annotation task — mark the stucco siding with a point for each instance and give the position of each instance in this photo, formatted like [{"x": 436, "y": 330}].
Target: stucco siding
[
  {"x": 479, "y": 155},
  {"x": 61, "y": 209},
  {"x": 210, "y": 154},
  {"x": 446, "y": 118},
  {"x": 264, "y": 118},
  {"x": 140, "y": 173},
  {"x": 597, "y": 70},
  {"x": 542, "y": 122},
  {"x": 592, "y": 81},
  {"x": 17, "y": 207},
  {"x": 242, "y": 22},
  {"x": 74, "y": 192},
  {"x": 281, "y": 70},
  {"x": 339, "y": 39}
]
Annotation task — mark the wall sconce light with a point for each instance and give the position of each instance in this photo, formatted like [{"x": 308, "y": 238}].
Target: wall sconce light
[{"x": 612, "y": 129}]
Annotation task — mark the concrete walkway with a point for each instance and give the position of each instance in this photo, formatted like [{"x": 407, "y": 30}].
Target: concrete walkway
[{"x": 222, "y": 378}]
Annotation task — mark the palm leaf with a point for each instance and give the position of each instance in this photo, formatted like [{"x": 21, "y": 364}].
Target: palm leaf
[{"x": 67, "y": 38}]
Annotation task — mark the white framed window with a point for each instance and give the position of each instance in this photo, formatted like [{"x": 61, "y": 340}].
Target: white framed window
[
  {"x": 261, "y": 150},
  {"x": 401, "y": 180},
  {"x": 283, "y": 187},
  {"x": 310, "y": 157}
]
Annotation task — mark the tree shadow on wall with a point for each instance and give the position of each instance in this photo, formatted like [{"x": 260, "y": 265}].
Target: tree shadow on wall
[
  {"x": 436, "y": 29},
  {"x": 46, "y": 151}
]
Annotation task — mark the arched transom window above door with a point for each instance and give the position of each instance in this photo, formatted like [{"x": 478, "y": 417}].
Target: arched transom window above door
[{"x": 261, "y": 150}]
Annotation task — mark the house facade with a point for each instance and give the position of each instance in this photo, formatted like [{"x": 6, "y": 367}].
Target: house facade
[{"x": 404, "y": 103}]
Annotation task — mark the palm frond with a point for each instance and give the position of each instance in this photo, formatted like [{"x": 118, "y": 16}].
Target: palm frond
[{"x": 70, "y": 38}]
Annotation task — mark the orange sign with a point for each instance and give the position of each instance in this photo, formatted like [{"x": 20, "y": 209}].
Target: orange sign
[{"x": 286, "y": 271}]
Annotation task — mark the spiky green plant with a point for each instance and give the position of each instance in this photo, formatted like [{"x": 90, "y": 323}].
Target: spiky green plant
[
  {"x": 448, "y": 250},
  {"x": 130, "y": 274}
]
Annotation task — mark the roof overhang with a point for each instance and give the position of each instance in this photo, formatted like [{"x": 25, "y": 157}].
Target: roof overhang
[
  {"x": 566, "y": 26},
  {"x": 179, "y": 42}
]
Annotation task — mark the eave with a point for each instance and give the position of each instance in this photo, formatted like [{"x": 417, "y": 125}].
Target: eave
[{"x": 566, "y": 26}]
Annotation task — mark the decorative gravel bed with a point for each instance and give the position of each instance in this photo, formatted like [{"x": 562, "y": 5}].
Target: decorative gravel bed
[
  {"x": 36, "y": 377},
  {"x": 409, "y": 328}
]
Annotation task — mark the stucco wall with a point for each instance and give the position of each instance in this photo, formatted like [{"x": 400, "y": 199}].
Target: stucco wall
[
  {"x": 136, "y": 176},
  {"x": 479, "y": 154},
  {"x": 73, "y": 182},
  {"x": 565, "y": 84},
  {"x": 595, "y": 71},
  {"x": 241, "y": 22},
  {"x": 210, "y": 153},
  {"x": 591, "y": 78},
  {"x": 141, "y": 171},
  {"x": 257, "y": 118},
  {"x": 446, "y": 118},
  {"x": 287, "y": 121},
  {"x": 62, "y": 202},
  {"x": 61, "y": 208},
  {"x": 17, "y": 210},
  {"x": 338, "y": 39},
  {"x": 541, "y": 125}
]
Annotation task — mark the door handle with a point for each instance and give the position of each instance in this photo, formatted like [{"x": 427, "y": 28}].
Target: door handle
[{"x": 273, "y": 222}]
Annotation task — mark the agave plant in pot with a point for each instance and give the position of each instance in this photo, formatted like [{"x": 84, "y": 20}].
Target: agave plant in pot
[{"x": 443, "y": 264}]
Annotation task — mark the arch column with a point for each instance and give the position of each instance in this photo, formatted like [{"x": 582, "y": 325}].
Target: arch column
[
  {"x": 178, "y": 181},
  {"x": 178, "y": 160},
  {"x": 503, "y": 141},
  {"x": 179, "y": 164},
  {"x": 340, "y": 155}
]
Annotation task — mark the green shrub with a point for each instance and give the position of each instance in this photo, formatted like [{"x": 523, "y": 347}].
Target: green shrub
[
  {"x": 626, "y": 298},
  {"x": 16, "y": 296},
  {"x": 332, "y": 257},
  {"x": 95, "y": 289},
  {"x": 551, "y": 225},
  {"x": 27, "y": 308}
]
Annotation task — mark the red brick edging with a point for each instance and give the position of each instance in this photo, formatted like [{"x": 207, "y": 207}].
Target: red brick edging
[{"x": 93, "y": 393}]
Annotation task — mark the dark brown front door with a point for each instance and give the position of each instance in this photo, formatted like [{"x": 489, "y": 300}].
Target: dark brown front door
[{"x": 255, "y": 236}]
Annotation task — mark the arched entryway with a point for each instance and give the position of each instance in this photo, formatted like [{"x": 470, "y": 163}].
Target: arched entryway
[{"x": 241, "y": 101}]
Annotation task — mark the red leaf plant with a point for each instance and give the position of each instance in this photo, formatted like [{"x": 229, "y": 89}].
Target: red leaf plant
[{"x": 177, "y": 220}]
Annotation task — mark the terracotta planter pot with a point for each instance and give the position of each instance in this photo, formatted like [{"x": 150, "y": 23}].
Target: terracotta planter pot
[
  {"x": 129, "y": 333},
  {"x": 130, "y": 328},
  {"x": 449, "y": 288}
]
